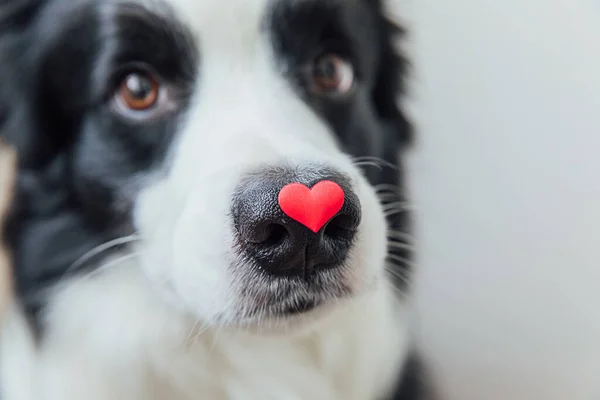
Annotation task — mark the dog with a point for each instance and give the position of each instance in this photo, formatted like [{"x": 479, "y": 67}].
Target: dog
[{"x": 152, "y": 258}]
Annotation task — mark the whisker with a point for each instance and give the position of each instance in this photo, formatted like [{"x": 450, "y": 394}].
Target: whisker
[
  {"x": 387, "y": 187},
  {"x": 401, "y": 245},
  {"x": 115, "y": 262},
  {"x": 387, "y": 193},
  {"x": 402, "y": 294},
  {"x": 396, "y": 208},
  {"x": 402, "y": 274},
  {"x": 202, "y": 330},
  {"x": 99, "y": 249},
  {"x": 214, "y": 342},
  {"x": 402, "y": 261},
  {"x": 402, "y": 205},
  {"x": 404, "y": 278},
  {"x": 189, "y": 336},
  {"x": 372, "y": 159},
  {"x": 393, "y": 212},
  {"x": 387, "y": 197},
  {"x": 43, "y": 291},
  {"x": 392, "y": 234},
  {"x": 197, "y": 329},
  {"x": 367, "y": 164},
  {"x": 108, "y": 265}
]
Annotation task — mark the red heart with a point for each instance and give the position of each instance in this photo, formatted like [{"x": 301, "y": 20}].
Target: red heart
[{"x": 314, "y": 207}]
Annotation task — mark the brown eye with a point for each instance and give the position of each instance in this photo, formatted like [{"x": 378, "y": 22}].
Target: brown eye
[
  {"x": 138, "y": 91},
  {"x": 332, "y": 74}
]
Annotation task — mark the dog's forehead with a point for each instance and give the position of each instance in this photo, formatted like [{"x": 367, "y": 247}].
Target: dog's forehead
[
  {"x": 236, "y": 25},
  {"x": 241, "y": 14},
  {"x": 210, "y": 20},
  {"x": 235, "y": 21},
  {"x": 231, "y": 29}
]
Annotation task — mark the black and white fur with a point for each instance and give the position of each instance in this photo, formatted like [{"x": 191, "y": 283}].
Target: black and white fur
[{"x": 129, "y": 281}]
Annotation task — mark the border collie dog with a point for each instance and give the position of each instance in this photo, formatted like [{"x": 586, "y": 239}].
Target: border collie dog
[{"x": 152, "y": 260}]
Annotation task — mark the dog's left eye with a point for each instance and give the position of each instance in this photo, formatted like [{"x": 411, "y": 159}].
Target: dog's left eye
[
  {"x": 138, "y": 91},
  {"x": 332, "y": 74}
]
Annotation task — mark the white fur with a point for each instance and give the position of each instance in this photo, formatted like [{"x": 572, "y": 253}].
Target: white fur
[
  {"x": 135, "y": 347},
  {"x": 164, "y": 317}
]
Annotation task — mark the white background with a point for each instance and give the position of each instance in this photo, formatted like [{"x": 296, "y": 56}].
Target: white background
[{"x": 506, "y": 180}]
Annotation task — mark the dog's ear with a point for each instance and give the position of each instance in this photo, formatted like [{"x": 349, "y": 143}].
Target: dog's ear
[
  {"x": 14, "y": 14},
  {"x": 18, "y": 127},
  {"x": 394, "y": 135},
  {"x": 45, "y": 230},
  {"x": 390, "y": 81}
]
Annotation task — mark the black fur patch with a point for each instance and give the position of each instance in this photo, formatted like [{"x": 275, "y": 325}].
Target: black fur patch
[{"x": 80, "y": 162}]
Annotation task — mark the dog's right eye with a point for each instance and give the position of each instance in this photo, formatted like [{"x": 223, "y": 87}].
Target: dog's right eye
[
  {"x": 332, "y": 74},
  {"x": 138, "y": 91}
]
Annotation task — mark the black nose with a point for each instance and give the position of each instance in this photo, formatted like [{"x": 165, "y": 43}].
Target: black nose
[{"x": 280, "y": 245}]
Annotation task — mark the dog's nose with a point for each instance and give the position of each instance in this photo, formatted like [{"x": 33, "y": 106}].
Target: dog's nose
[{"x": 294, "y": 222}]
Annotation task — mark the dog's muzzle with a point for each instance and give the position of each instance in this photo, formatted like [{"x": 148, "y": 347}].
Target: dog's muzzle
[{"x": 295, "y": 237}]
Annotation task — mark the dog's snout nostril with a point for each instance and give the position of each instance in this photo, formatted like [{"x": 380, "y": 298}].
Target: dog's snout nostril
[
  {"x": 274, "y": 235},
  {"x": 282, "y": 245},
  {"x": 342, "y": 226}
]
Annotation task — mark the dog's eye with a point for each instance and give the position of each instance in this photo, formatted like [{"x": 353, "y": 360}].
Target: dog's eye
[
  {"x": 331, "y": 74},
  {"x": 138, "y": 91}
]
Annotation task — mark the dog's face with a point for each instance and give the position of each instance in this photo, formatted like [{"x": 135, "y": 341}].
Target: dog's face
[{"x": 170, "y": 126}]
